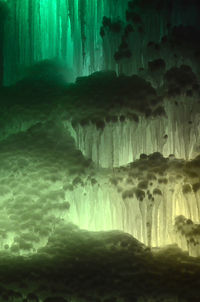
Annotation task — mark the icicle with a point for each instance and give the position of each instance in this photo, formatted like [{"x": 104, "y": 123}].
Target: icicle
[{"x": 82, "y": 15}]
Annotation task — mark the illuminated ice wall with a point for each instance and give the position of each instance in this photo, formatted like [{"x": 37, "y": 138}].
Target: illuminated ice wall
[
  {"x": 45, "y": 182},
  {"x": 120, "y": 143},
  {"x": 62, "y": 29},
  {"x": 69, "y": 30},
  {"x": 105, "y": 122}
]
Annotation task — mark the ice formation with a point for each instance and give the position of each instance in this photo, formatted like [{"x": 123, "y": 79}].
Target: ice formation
[
  {"x": 122, "y": 142},
  {"x": 143, "y": 198},
  {"x": 99, "y": 178},
  {"x": 45, "y": 183},
  {"x": 62, "y": 29}
]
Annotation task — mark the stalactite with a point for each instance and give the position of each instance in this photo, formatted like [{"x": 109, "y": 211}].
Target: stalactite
[{"x": 3, "y": 13}]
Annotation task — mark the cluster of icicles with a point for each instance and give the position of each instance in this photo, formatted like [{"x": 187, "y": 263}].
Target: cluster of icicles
[
  {"x": 69, "y": 31},
  {"x": 151, "y": 222},
  {"x": 143, "y": 201}
]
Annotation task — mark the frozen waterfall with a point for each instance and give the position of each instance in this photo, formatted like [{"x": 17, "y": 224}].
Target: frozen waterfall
[
  {"x": 69, "y": 31},
  {"x": 143, "y": 198},
  {"x": 120, "y": 143},
  {"x": 65, "y": 30},
  {"x": 142, "y": 203}
]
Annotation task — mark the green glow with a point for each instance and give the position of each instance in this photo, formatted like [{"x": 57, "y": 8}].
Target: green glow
[
  {"x": 45, "y": 183},
  {"x": 56, "y": 29},
  {"x": 70, "y": 30}
]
